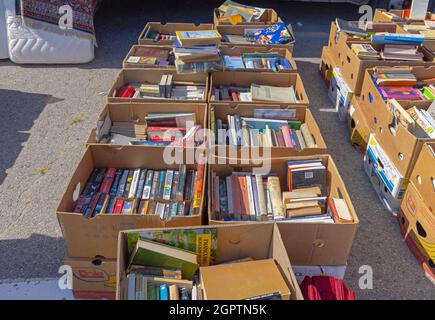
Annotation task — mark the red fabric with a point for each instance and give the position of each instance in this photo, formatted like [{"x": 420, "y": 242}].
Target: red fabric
[{"x": 325, "y": 288}]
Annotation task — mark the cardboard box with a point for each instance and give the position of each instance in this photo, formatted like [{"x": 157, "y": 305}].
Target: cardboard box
[
  {"x": 340, "y": 95},
  {"x": 128, "y": 76},
  {"x": 229, "y": 49},
  {"x": 371, "y": 98},
  {"x": 333, "y": 271},
  {"x": 353, "y": 68},
  {"x": 245, "y": 79},
  {"x": 359, "y": 129},
  {"x": 428, "y": 43},
  {"x": 423, "y": 175},
  {"x": 239, "y": 30},
  {"x": 382, "y": 15},
  {"x": 259, "y": 241},
  {"x": 247, "y": 110},
  {"x": 93, "y": 278},
  {"x": 417, "y": 224},
  {"x": 306, "y": 243},
  {"x": 135, "y": 111},
  {"x": 269, "y": 17},
  {"x": 392, "y": 204},
  {"x": 401, "y": 146},
  {"x": 327, "y": 64},
  {"x": 394, "y": 181},
  {"x": 129, "y": 65},
  {"x": 91, "y": 237},
  {"x": 170, "y": 28}
]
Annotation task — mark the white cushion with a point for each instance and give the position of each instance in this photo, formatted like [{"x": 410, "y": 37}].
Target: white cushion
[{"x": 4, "y": 54}]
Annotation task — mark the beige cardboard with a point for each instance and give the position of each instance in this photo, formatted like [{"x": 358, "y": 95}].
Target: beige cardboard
[
  {"x": 127, "y": 76},
  {"x": 269, "y": 17},
  {"x": 423, "y": 175},
  {"x": 129, "y": 65},
  {"x": 93, "y": 278},
  {"x": 239, "y": 30},
  {"x": 259, "y": 241},
  {"x": 98, "y": 236},
  {"x": 136, "y": 111},
  {"x": 229, "y": 49},
  {"x": 353, "y": 68},
  {"x": 428, "y": 43},
  {"x": 327, "y": 64},
  {"x": 306, "y": 243},
  {"x": 170, "y": 28},
  {"x": 359, "y": 129},
  {"x": 381, "y": 16},
  {"x": 247, "y": 110},
  {"x": 245, "y": 79}
]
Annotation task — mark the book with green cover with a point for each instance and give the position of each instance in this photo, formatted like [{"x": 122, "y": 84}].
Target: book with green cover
[
  {"x": 150, "y": 253},
  {"x": 151, "y": 292}
]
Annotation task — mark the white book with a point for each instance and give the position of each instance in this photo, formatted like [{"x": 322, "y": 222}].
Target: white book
[
  {"x": 419, "y": 9},
  {"x": 262, "y": 203},
  {"x": 250, "y": 196},
  {"x": 134, "y": 182},
  {"x": 131, "y": 290},
  {"x": 148, "y": 183}
]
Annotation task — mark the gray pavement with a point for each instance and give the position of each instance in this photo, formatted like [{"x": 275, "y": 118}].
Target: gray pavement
[{"x": 47, "y": 113}]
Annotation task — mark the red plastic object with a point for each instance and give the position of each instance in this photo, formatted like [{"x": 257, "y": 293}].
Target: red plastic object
[{"x": 325, "y": 288}]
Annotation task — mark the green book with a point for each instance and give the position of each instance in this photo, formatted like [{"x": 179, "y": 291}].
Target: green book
[
  {"x": 428, "y": 94},
  {"x": 294, "y": 124},
  {"x": 154, "y": 254},
  {"x": 151, "y": 292}
]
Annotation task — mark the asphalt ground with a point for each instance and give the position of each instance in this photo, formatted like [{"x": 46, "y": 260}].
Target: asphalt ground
[{"x": 47, "y": 112}]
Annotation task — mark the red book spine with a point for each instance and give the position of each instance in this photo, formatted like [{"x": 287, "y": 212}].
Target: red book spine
[
  {"x": 107, "y": 180},
  {"x": 118, "y": 206},
  {"x": 234, "y": 96},
  {"x": 244, "y": 192}
]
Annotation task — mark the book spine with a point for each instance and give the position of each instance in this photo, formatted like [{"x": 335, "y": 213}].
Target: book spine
[
  {"x": 216, "y": 194},
  {"x": 188, "y": 187},
  {"x": 199, "y": 183},
  {"x": 175, "y": 185},
  {"x": 154, "y": 186},
  {"x": 128, "y": 183},
  {"x": 181, "y": 208},
  {"x": 134, "y": 182},
  {"x": 230, "y": 195},
  {"x": 119, "y": 204},
  {"x": 141, "y": 183},
  {"x": 237, "y": 195},
  {"x": 168, "y": 184},
  {"x": 274, "y": 188},
  {"x": 148, "y": 183},
  {"x": 261, "y": 195},
  {"x": 161, "y": 185},
  {"x": 223, "y": 196},
  {"x": 107, "y": 180},
  {"x": 255, "y": 196},
  {"x": 181, "y": 183},
  {"x": 114, "y": 188},
  {"x": 250, "y": 197}
]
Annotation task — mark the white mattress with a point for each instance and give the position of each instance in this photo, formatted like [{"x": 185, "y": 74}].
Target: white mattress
[
  {"x": 4, "y": 54},
  {"x": 28, "y": 45}
]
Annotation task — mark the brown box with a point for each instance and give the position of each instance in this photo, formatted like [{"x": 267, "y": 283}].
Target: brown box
[
  {"x": 239, "y": 31},
  {"x": 417, "y": 223},
  {"x": 371, "y": 99},
  {"x": 327, "y": 64},
  {"x": 306, "y": 243},
  {"x": 128, "y": 76},
  {"x": 359, "y": 129},
  {"x": 93, "y": 278},
  {"x": 231, "y": 49},
  {"x": 247, "y": 110},
  {"x": 382, "y": 15},
  {"x": 259, "y": 241},
  {"x": 135, "y": 111},
  {"x": 170, "y": 28},
  {"x": 269, "y": 17},
  {"x": 353, "y": 68},
  {"x": 91, "y": 237},
  {"x": 129, "y": 65},
  {"x": 245, "y": 79}
]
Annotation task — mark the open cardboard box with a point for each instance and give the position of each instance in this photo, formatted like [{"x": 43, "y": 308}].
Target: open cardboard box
[
  {"x": 428, "y": 43},
  {"x": 93, "y": 278},
  {"x": 371, "y": 99},
  {"x": 382, "y": 15},
  {"x": 233, "y": 50},
  {"x": 306, "y": 243},
  {"x": 91, "y": 237},
  {"x": 138, "y": 111},
  {"x": 130, "y": 65},
  {"x": 170, "y": 28},
  {"x": 239, "y": 30},
  {"x": 302, "y": 114},
  {"x": 259, "y": 241},
  {"x": 357, "y": 125},
  {"x": 327, "y": 64},
  {"x": 353, "y": 68},
  {"x": 128, "y": 76},
  {"x": 245, "y": 79},
  {"x": 269, "y": 17}
]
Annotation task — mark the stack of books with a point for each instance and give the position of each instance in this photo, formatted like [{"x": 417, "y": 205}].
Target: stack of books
[
  {"x": 365, "y": 51},
  {"x": 424, "y": 121},
  {"x": 151, "y": 56},
  {"x": 257, "y": 61},
  {"x": 157, "y": 129},
  {"x": 197, "y": 51},
  {"x": 426, "y": 29},
  {"x": 167, "y": 88},
  {"x": 268, "y": 128},
  {"x": 156, "y": 36},
  {"x": 162, "y": 264},
  {"x": 256, "y": 92},
  {"x": 404, "y": 47},
  {"x": 165, "y": 193},
  {"x": 401, "y": 52},
  {"x": 248, "y": 196}
]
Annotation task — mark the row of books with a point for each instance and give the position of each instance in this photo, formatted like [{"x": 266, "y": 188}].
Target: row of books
[
  {"x": 141, "y": 191},
  {"x": 256, "y": 61},
  {"x": 262, "y": 132},
  {"x": 403, "y": 86},
  {"x": 174, "y": 265},
  {"x": 151, "y": 56},
  {"x": 157, "y": 129},
  {"x": 248, "y": 196},
  {"x": 255, "y": 92},
  {"x": 427, "y": 29},
  {"x": 389, "y": 52}
]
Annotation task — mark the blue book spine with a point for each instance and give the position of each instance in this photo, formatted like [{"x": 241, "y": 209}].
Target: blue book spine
[{"x": 164, "y": 292}]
